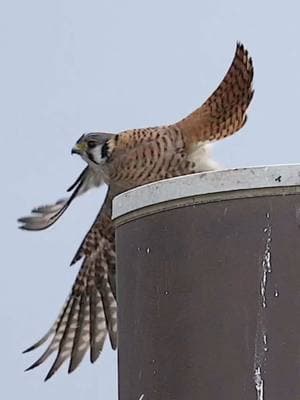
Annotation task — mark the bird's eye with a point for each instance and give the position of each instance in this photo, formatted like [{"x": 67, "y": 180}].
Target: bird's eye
[{"x": 91, "y": 144}]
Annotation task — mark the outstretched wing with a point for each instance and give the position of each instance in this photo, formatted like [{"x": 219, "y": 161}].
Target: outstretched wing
[
  {"x": 91, "y": 309},
  {"x": 44, "y": 216},
  {"x": 224, "y": 112}
]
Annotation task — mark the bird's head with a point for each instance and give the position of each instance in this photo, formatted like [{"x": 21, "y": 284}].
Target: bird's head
[{"x": 93, "y": 147}]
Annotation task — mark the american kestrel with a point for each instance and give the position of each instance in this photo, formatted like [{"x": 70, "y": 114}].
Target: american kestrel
[{"x": 123, "y": 161}]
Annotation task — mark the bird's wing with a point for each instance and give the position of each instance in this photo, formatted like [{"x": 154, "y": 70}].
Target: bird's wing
[
  {"x": 155, "y": 149},
  {"x": 91, "y": 309},
  {"x": 44, "y": 216},
  {"x": 224, "y": 112}
]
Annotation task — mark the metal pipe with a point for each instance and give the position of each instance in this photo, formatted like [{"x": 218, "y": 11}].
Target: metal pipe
[{"x": 209, "y": 286}]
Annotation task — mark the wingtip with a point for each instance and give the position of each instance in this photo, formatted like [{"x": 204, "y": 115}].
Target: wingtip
[
  {"x": 27, "y": 228},
  {"x": 33, "y": 347},
  {"x": 48, "y": 376},
  {"x": 240, "y": 45},
  {"x": 22, "y": 221},
  {"x": 114, "y": 345},
  {"x": 242, "y": 53},
  {"x": 94, "y": 356},
  {"x": 72, "y": 367},
  {"x": 32, "y": 223},
  {"x": 74, "y": 260},
  {"x": 32, "y": 366},
  {"x": 51, "y": 372},
  {"x": 27, "y": 350}
]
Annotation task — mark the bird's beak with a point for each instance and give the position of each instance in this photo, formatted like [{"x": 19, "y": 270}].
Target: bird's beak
[{"x": 79, "y": 148}]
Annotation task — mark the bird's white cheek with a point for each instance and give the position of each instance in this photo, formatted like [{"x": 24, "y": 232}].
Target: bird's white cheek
[{"x": 96, "y": 154}]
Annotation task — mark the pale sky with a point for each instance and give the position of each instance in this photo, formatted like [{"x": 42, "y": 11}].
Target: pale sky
[{"x": 69, "y": 67}]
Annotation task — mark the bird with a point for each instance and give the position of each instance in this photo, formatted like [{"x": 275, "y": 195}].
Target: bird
[{"x": 123, "y": 161}]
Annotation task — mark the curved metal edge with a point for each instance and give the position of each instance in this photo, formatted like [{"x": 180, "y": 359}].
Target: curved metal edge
[
  {"x": 204, "y": 199},
  {"x": 206, "y": 183}
]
